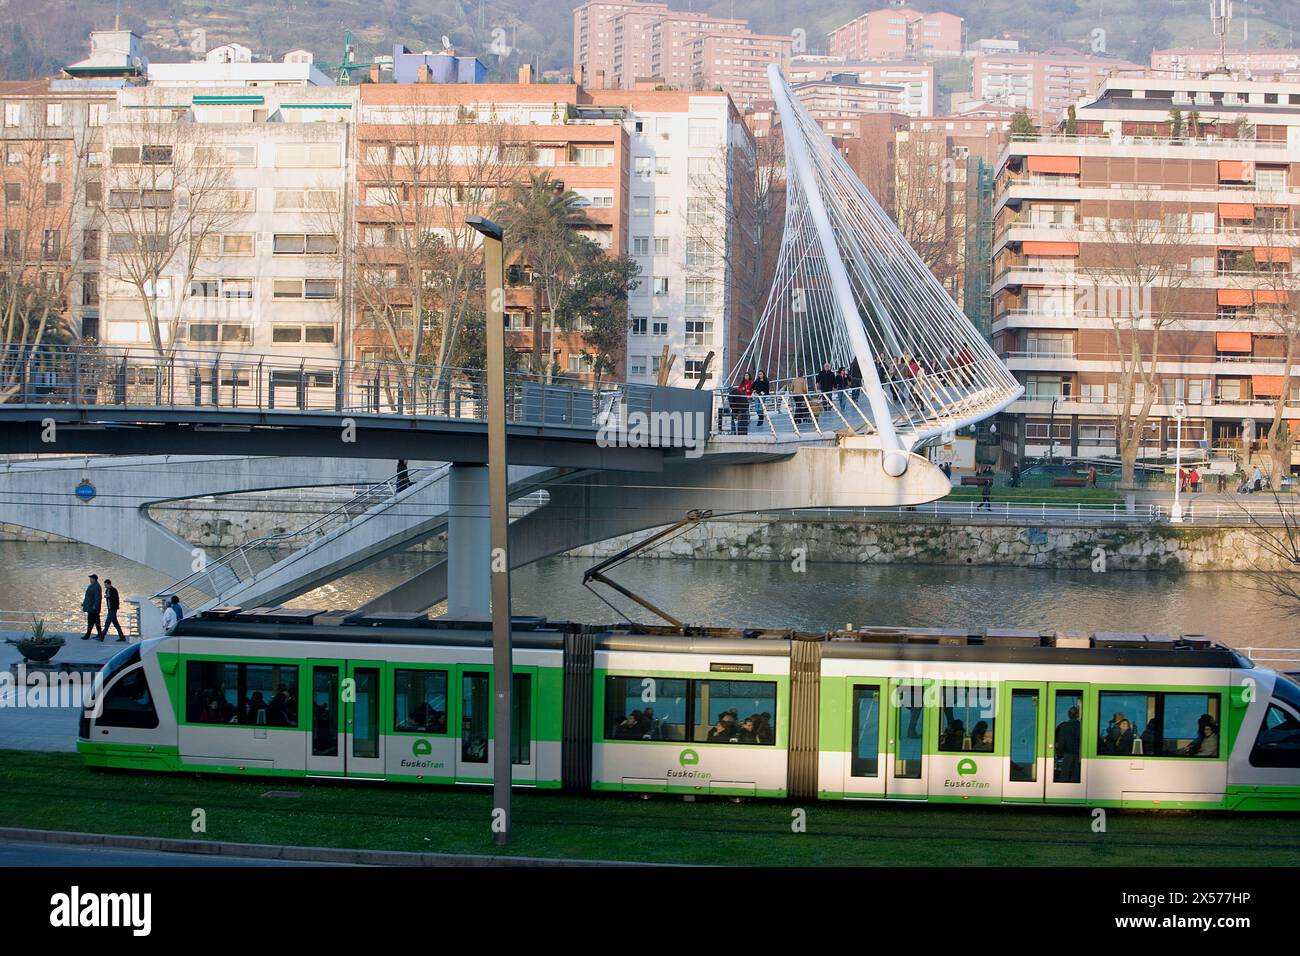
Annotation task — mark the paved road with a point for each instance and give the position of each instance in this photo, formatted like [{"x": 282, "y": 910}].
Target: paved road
[{"x": 53, "y": 854}]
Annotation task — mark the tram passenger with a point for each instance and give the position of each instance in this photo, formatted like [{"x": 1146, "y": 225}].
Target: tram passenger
[
  {"x": 1149, "y": 735},
  {"x": 723, "y": 730},
  {"x": 627, "y": 727},
  {"x": 281, "y": 711},
  {"x": 255, "y": 709},
  {"x": 215, "y": 711},
  {"x": 954, "y": 736},
  {"x": 1112, "y": 734},
  {"x": 981, "y": 737},
  {"x": 745, "y": 733},
  {"x": 1124, "y": 738},
  {"x": 1069, "y": 738},
  {"x": 763, "y": 728},
  {"x": 650, "y": 725},
  {"x": 1206, "y": 743}
]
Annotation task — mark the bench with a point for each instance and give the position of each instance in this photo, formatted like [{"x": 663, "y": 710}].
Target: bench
[
  {"x": 1069, "y": 482},
  {"x": 976, "y": 480}
]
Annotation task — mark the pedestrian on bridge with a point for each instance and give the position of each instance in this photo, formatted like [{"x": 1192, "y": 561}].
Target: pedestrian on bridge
[
  {"x": 90, "y": 603},
  {"x": 762, "y": 389},
  {"x": 113, "y": 600}
]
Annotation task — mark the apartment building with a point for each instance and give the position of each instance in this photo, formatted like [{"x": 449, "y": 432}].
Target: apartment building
[
  {"x": 1190, "y": 61},
  {"x": 1204, "y": 200},
  {"x": 690, "y": 229},
  {"x": 897, "y": 33},
  {"x": 736, "y": 63},
  {"x": 223, "y": 219},
  {"x": 842, "y": 98},
  {"x": 599, "y": 27},
  {"x": 657, "y": 171},
  {"x": 915, "y": 79},
  {"x": 432, "y": 155},
  {"x": 1043, "y": 84},
  {"x": 234, "y": 65},
  {"x": 51, "y": 134}
]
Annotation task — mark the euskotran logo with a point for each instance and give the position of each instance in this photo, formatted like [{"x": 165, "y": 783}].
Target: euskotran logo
[
  {"x": 689, "y": 758},
  {"x": 966, "y": 767},
  {"x": 421, "y": 749}
]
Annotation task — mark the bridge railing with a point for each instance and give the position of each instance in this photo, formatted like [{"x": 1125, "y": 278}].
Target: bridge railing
[
  {"x": 246, "y": 561},
  {"x": 123, "y": 377}
]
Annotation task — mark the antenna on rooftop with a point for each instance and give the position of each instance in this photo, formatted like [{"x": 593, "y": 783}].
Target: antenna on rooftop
[
  {"x": 117, "y": 16},
  {"x": 1220, "y": 19}
]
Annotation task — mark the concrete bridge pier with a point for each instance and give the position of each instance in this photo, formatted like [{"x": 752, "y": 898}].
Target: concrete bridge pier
[{"x": 469, "y": 543}]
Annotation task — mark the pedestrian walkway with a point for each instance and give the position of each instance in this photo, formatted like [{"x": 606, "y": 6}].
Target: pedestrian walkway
[{"x": 45, "y": 728}]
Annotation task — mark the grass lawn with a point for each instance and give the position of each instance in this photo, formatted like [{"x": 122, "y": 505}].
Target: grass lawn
[
  {"x": 55, "y": 792},
  {"x": 1057, "y": 496}
]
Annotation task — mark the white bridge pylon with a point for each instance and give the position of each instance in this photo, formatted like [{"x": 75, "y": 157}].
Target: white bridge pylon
[{"x": 849, "y": 287}]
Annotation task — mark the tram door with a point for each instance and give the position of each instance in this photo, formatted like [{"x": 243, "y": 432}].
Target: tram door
[
  {"x": 363, "y": 741},
  {"x": 325, "y": 755},
  {"x": 909, "y": 728},
  {"x": 475, "y": 748},
  {"x": 1066, "y": 776},
  {"x": 1028, "y": 762}
]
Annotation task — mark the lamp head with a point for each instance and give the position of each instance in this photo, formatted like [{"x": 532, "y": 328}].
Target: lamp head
[{"x": 485, "y": 227}]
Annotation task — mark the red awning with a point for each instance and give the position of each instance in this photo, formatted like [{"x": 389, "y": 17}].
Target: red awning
[
  {"x": 1234, "y": 297},
  {"x": 1043, "y": 248},
  {"x": 1272, "y": 254},
  {"x": 1236, "y": 170},
  {"x": 1233, "y": 341},
  {"x": 1236, "y": 210},
  {"x": 1053, "y": 164},
  {"x": 1267, "y": 384},
  {"x": 1272, "y": 297}
]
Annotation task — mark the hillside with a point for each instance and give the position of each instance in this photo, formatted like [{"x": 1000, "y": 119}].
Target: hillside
[{"x": 39, "y": 36}]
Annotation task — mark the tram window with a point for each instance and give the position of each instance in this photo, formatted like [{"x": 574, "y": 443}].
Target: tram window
[
  {"x": 1068, "y": 737},
  {"x": 324, "y": 711},
  {"x": 1024, "y": 735},
  {"x": 420, "y": 701},
  {"x": 645, "y": 708},
  {"x": 734, "y": 712},
  {"x": 129, "y": 703},
  {"x": 1278, "y": 742},
  {"x": 909, "y": 721},
  {"x": 966, "y": 718},
  {"x": 225, "y": 692},
  {"x": 474, "y": 715},
  {"x": 521, "y": 720},
  {"x": 365, "y": 713},
  {"x": 1139, "y": 724},
  {"x": 865, "y": 760}
]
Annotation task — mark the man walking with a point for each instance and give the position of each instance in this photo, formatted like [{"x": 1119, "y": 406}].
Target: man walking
[
  {"x": 113, "y": 601},
  {"x": 986, "y": 495},
  {"x": 90, "y": 604}
]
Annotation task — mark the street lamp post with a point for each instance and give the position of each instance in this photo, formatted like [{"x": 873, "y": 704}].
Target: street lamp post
[
  {"x": 1176, "y": 512},
  {"x": 1051, "y": 431},
  {"x": 502, "y": 664}
]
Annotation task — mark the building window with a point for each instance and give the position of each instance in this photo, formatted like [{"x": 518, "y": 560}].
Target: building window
[
  {"x": 54, "y": 194},
  {"x": 51, "y": 244},
  {"x": 663, "y": 206},
  {"x": 640, "y": 245},
  {"x": 97, "y": 115},
  {"x": 53, "y": 114},
  {"x": 638, "y": 325},
  {"x": 661, "y": 245},
  {"x": 659, "y": 327},
  {"x": 660, "y": 285},
  {"x": 700, "y": 292},
  {"x": 699, "y": 332},
  {"x": 13, "y": 114},
  {"x": 305, "y": 245},
  {"x": 90, "y": 244}
]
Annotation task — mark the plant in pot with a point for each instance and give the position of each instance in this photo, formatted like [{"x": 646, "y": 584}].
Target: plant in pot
[{"x": 38, "y": 646}]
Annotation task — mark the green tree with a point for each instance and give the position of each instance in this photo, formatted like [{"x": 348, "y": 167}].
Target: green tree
[
  {"x": 595, "y": 303},
  {"x": 1176, "y": 126},
  {"x": 1071, "y": 121},
  {"x": 1022, "y": 125},
  {"x": 542, "y": 223}
]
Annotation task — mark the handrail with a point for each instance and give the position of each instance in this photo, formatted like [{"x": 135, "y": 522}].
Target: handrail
[{"x": 240, "y": 567}]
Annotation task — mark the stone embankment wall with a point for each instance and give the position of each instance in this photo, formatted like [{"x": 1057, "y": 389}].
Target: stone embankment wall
[
  {"x": 222, "y": 525},
  {"x": 1137, "y": 547}
]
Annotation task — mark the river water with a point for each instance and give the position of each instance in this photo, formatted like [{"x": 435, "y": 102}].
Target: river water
[{"x": 51, "y": 577}]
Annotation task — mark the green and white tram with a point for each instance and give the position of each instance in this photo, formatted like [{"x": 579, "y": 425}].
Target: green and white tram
[{"x": 1114, "y": 720}]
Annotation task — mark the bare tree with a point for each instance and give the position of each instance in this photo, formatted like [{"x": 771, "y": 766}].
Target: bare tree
[
  {"x": 1274, "y": 287},
  {"x": 44, "y": 187},
  {"x": 1135, "y": 266},
  {"x": 416, "y": 274},
  {"x": 735, "y": 217},
  {"x": 168, "y": 196},
  {"x": 924, "y": 187}
]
